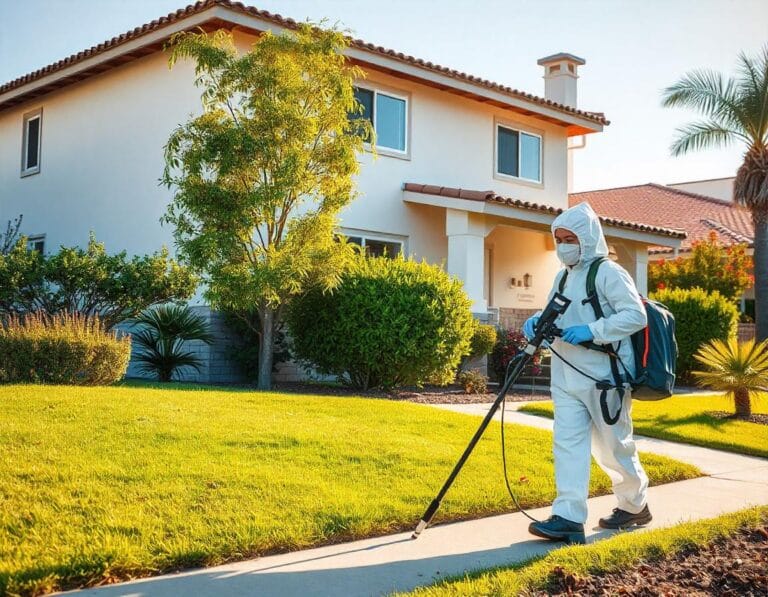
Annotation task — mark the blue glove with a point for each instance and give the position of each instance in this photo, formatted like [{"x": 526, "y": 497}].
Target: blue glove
[
  {"x": 576, "y": 334},
  {"x": 529, "y": 325}
]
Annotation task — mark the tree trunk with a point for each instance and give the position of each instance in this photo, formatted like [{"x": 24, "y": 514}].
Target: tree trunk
[
  {"x": 266, "y": 347},
  {"x": 760, "y": 259},
  {"x": 743, "y": 404}
]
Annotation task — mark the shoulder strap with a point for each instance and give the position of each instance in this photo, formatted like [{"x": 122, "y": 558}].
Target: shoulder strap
[
  {"x": 592, "y": 297},
  {"x": 564, "y": 277}
]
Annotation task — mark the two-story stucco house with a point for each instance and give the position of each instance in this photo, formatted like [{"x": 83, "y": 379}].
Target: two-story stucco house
[{"x": 470, "y": 173}]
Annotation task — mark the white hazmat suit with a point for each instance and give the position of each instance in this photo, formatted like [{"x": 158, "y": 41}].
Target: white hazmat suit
[{"x": 578, "y": 418}]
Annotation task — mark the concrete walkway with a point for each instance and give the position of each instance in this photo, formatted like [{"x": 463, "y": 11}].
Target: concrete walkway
[{"x": 397, "y": 563}]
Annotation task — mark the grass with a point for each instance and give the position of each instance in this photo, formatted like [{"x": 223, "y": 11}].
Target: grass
[
  {"x": 611, "y": 555},
  {"x": 99, "y": 484},
  {"x": 684, "y": 419}
]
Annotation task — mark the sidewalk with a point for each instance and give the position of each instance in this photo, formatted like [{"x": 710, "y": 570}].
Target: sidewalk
[{"x": 397, "y": 563}]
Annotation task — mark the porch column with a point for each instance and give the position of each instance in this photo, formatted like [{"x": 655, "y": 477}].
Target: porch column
[
  {"x": 466, "y": 255},
  {"x": 641, "y": 269}
]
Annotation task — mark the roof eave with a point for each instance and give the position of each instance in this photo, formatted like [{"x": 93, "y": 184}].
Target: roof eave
[{"x": 217, "y": 14}]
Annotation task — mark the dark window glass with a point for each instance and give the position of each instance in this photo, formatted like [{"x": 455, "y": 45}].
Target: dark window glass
[
  {"x": 508, "y": 152},
  {"x": 36, "y": 244},
  {"x": 33, "y": 142},
  {"x": 379, "y": 248},
  {"x": 365, "y": 97}
]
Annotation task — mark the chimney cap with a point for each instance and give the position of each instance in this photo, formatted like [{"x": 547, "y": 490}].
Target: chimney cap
[{"x": 560, "y": 56}]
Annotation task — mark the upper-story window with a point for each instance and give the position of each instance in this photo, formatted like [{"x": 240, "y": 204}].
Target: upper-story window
[
  {"x": 518, "y": 154},
  {"x": 30, "y": 142},
  {"x": 36, "y": 243},
  {"x": 388, "y": 114}
]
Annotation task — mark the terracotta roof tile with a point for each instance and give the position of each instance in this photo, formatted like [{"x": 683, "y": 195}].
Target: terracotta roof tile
[
  {"x": 597, "y": 117},
  {"x": 490, "y": 196},
  {"x": 664, "y": 206}
]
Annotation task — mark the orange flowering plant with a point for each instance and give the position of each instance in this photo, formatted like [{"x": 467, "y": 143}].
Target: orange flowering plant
[{"x": 711, "y": 266}]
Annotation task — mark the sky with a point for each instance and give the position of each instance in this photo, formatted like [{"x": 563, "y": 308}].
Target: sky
[{"x": 633, "y": 49}]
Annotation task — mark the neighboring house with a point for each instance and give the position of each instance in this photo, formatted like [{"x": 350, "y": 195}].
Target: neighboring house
[
  {"x": 671, "y": 206},
  {"x": 718, "y": 188},
  {"x": 470, "y": 173}
]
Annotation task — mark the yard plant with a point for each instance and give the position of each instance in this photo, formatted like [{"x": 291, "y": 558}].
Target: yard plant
[
  {"x": 735, "y": 110},
  {"x": 66, "y": 348},
  {"x": 100, "y": 484},
  {"x": 738, "y": 368},
  {"x": 161, "y": 338},
  {"x": 389, "y": 322},
  {"x": 260, "y": 176}
]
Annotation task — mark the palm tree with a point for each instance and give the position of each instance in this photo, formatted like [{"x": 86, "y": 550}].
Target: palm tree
[
  {"x": 735, "y": 110},
  {"x": 164, "y": 331},
  {"x": 739, "y": 369}
]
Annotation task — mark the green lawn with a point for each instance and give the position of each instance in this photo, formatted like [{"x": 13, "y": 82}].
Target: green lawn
[
  {"x": 104, "y": 483},
  {"x": 611, "y": 555},
  {"x": 684, "y": 419}
]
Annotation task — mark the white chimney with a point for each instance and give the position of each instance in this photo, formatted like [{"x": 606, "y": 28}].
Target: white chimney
[{"x": 560, "y": 74}]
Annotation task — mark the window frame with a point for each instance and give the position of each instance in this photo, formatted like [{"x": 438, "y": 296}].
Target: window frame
[
  {"x": 400, "y": 95},
  {"x": 27, "y": 117},
  {"x": 520, "y": 130},
  {"x": 364, "y": 235},
  {"x": 36, "y": 238}
]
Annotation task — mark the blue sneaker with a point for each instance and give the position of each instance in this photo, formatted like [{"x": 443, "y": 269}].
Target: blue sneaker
[{"x": 557, "y": 528}]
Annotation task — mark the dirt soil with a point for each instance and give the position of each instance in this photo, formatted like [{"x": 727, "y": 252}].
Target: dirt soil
[
  {"x": 425, "y": 395},
  {"x": 733, "y": 567},
  {"x": 754, "y": 418}
]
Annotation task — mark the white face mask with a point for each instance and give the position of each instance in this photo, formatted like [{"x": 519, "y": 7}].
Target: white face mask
[{"x": 568, "y": 254}]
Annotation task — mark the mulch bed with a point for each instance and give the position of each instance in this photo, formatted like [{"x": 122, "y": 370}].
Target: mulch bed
[
  {"x": 722, "y": 415},
  {"x": 736, "y": 566},
  {"x": 425, "y": 395}
]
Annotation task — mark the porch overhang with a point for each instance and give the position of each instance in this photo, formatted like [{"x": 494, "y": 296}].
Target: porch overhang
[{"x": 532, "y": 216}]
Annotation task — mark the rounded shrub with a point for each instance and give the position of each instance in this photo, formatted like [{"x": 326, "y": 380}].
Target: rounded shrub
[
  {"x": 483, "y": 340},
  {"x": 389, "y": 322},
  {"x": 61, "y": 349},
  {"x": 700, "y": 317}
]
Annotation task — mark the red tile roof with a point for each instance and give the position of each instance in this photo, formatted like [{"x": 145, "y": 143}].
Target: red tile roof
[
  {"x": 664, "y": 206},
  {"x": 491, "y": 196},
  {"x": 597, "y": 117}
]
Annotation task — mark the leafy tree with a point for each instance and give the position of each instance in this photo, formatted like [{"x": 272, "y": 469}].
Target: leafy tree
[
  {"x": 261, "y": 175},
  {"x": 710, "y": 267},
  {"x": 740, "y": 369},
  {"x": 164, "y": 330},
  {"x": 90, "y": 282},
  {"x": 735, "y": 110}
]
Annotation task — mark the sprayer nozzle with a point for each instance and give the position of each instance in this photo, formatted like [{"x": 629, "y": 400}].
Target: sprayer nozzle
[{"x": 421, "y": 526}]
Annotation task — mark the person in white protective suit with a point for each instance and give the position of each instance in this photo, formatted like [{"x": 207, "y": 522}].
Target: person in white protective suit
[{"x": 579, "y": 420}]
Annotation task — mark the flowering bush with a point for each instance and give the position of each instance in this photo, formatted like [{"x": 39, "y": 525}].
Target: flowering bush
[
  {"x": 710, "y": 267},
  {"x": 511, "y": 342}
]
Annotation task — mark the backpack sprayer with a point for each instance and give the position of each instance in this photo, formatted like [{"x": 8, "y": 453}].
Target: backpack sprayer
[{"x": 545, "y": 331}]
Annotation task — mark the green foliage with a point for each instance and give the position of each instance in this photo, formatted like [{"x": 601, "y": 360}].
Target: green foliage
[
  {"x": 244, "y": 331},
  {"x": 710, "y": 267},
  {"x": 160, "y": 340},
  {"x": 61, "y": 349},
  {"x": 473, "y": 382},
  {"x": 390, "y": 322},
  {"x": 483, "y": 340},
  {"x": 261, "y": 175},
  {"x": 739, "y": 368},
  {"x": 699, "y": 318},
  {"x": 90, "y": 282}
]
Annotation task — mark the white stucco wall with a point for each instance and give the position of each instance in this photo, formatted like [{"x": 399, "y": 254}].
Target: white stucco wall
[
  {"x": 719, "y": 188},
  {"x": 102, "y": 155}
]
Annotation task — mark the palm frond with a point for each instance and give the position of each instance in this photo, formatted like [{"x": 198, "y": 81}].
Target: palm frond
[
  {"x": 706, "y": 92},
  {"x": 702, "y": 135},
  {"x": 733, "y": 366},
  {"x": 753, "y": 93}
]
